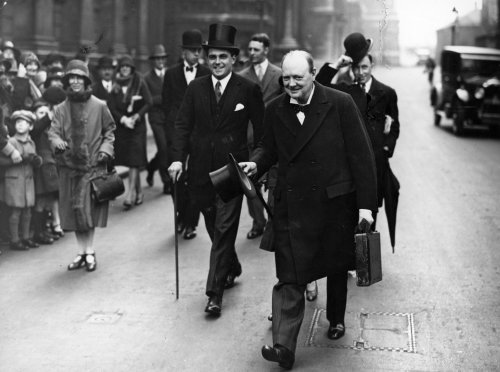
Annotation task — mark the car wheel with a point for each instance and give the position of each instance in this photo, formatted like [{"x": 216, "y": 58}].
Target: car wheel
[{"x": 458, "y": 121}]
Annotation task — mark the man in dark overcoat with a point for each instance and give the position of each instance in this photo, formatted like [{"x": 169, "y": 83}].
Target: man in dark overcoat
[
  {"x": 177, "y": 79},
  {"x": 106, "y": 71},
  {"x": 377, "y": 102},
  {"x": 156, "y": 116},
  {"x": 326, "y": 185},
  {"x": 211, "y": 123},
  {"x": 267, "y": 75}
]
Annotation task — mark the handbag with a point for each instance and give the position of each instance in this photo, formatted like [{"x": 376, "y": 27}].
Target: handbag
[
  {"x": 368, "y": 259},
  {"x": 107, "y": 186}
]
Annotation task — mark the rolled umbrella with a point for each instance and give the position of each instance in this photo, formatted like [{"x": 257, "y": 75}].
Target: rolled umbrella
[
  {"x": 176, "y": 243},
  {"x": 391, "y": 198}
]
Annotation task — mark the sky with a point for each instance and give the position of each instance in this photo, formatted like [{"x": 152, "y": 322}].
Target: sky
[{"x": 419, "y": 19}]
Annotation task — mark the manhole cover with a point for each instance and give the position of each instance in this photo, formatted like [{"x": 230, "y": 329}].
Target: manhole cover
[
  {"x": 101, "y": 317},
  {"x": 366, "y": 331}
]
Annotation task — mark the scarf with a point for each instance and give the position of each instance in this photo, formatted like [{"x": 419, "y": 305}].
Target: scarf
[{"x": 132, "y": 82}]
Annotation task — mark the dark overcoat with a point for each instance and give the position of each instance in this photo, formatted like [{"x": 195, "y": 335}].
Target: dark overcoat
[
  {"x": 208, "y": 131},
  {"x": 326, "y": 172}
]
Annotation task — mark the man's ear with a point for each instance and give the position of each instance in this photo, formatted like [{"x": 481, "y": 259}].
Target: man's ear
[{"x": 313, "y": 72}]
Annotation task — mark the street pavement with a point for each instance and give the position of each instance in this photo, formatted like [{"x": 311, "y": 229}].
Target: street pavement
[{"x": 436, "y": 308}]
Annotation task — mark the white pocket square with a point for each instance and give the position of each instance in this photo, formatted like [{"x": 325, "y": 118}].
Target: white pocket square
[{"x": 239, "y": 107}]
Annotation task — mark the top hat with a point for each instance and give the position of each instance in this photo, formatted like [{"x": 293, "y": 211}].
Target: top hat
[
  {"x": 357, "y": 46},
  {"x": 221, "y": 36},
  {"x": 158, "y": 52},
  {"x": 192, "y": 39},
  {"x": 230, "y": 181},
  {"x": 79, "y": 68},
  {"x": 54, "y": 73},
  {"x": 105, "y": 62}
]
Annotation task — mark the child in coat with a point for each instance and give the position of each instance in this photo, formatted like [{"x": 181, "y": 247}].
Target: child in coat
[{"x": 19, "y": 182}]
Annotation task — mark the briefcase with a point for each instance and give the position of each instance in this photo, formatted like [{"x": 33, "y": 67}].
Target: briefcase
[{"x": 368, "y": 259}]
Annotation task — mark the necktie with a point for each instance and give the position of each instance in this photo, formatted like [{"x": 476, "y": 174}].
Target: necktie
[
  {"x": 362, "y": 86},
  {"x": 189, "y": 69},
  {"x": 218, "y": 92},
  {"x": 260, "y": 75}
]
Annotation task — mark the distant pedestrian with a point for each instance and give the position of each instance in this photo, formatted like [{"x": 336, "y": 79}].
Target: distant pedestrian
[
  {"x": 82, "y": 135},
  {"x": 430, "y": 65},
  {"x": 129, "y": 101}
]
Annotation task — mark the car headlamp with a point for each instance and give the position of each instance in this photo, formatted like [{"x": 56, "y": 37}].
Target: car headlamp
[
  {"x": 479, "y": 93},
  {"x": 463, "y": 95}
]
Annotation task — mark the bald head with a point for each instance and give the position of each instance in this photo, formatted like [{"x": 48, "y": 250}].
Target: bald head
[{"x": 298, "y": 74}]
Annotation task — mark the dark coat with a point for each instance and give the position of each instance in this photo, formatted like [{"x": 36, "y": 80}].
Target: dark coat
[
  {"x": 155, "y": 85},
  {"x": 326, "y": 172},
  {"x": 381, "y": 100},
  {"x": 174, "y": 88},
  {"x": 99, "y": 91},
  {"x": 209, "y": 131}
]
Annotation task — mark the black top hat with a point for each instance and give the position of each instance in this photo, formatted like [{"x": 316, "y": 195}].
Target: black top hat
[
  {"x": 357, "y": 46},
  {"x": 221, "y": 36},
  {"x": 158, "y": 52},
  {"x": 105, "y": 62},
  {"x": 230, "y": 181},
  {"x": 54, "y": 73},
  {"x": 191, "y": 39}
]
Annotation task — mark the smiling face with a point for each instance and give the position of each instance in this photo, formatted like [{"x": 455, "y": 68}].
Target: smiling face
[
  {"x": 257, "y": 52},
  {"x": 363, "y": 70},
  {"x": 125, "y": 70},
  {"x": 106, "y": 73},
  {"x": 298, "y": 78},
  {"x": 76, "y": 83},
  {"x": 22, "y": 126},
  {"x": 220, "y": 62}
]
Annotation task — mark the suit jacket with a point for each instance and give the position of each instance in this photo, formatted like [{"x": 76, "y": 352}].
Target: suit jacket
[
  {"x": 208, "y": 131},
  {"x": 174, "y": 88},
  {"x": 155, "y": 85},
  {"x": 325, "y": 171},
  {"x": 381, "y": 100},
  {"x": 269, "y": 85}
]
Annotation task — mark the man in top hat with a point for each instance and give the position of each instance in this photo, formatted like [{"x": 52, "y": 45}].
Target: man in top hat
[
  {"x": 211, "y": 123},
  {"x": 377, "y": 102},
  {"x": 326, "y": 185},
  {"x": 177, "y": 79},
  {"x": 154, "y": 80},
  {"x": 106, "y": 71},
  {"x": 267, "y": 75}
]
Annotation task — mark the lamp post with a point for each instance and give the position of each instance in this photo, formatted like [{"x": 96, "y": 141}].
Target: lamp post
[{"x": 454, "y": 27}]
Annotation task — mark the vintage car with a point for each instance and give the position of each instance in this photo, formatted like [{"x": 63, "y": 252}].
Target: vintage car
[{"x": 469, "y": 90}]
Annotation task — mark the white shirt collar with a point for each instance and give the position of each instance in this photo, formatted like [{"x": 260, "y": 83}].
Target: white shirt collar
[
  {"x": 294, "y": 101},
  {"x": 223, "y": 82},
  {"x": 368, "y": 85},
  {"x": 159, "y": 72},
  {"x": 263, "y": 65}
]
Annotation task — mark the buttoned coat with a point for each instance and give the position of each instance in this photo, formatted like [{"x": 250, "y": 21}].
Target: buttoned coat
[
  {"x": 269, "y": 85},
  {"x": 208, "y": 131},
  {"x": 326, "y": 172},
  {"x": 154, "y": 82}
]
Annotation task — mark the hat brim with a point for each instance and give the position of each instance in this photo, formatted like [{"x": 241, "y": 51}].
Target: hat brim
[
  {"x": 65, "y": 78},
  {"x": 232, "y": 49},
  {"x": 360, "y": 54},
  {"x": 230, "y": 181},
  {"x": 158, "y": 56}
]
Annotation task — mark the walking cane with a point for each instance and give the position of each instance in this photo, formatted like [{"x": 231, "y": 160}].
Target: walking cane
[{"x": 176, "y": 243}]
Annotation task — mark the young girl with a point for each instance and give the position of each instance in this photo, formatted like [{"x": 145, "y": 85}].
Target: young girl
[{"x": 19, "y": 182}]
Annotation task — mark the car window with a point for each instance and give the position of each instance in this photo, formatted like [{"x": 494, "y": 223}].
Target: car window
[{"x": 480, "y": 67}]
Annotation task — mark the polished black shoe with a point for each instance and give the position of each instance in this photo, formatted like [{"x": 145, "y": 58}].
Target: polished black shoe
[
  {"x": 312, "y": 294},
  {"x": 189, "y": 233},
  {"x": 92, "y": 263},
  {"x": 214, "y": 306},
  {"x": 150, "y": 179},
  {"x": 270, "y": 317},
  {"x": 180, "y": 227},
  {"x": 30, "y": 243},
  {"x": 336, "y": 332},
  {"x": 232, "y": 276},
  {"x": 255, "y": 233},
  {"x": 279, "y": 354},
  {"x": 77, "y": 263},
  {"x": 43, "y": 239},
  {"x": 18, "y": 246}
]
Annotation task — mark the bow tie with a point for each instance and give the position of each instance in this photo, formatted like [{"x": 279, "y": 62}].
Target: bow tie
[
  {"x": 190, "y": 69},
  {"x": 299, "y": 108}
]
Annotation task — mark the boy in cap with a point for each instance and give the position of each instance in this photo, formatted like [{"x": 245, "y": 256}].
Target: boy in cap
[{"x": 19, "y": 182}]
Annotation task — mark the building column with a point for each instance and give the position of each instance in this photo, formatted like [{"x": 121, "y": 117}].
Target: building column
[
  {"x": 87, "y": 36},
  {"x": 43, "y": 30},
  {"x": 288, "y": 41},
  {"x": 119, "y": 20}
]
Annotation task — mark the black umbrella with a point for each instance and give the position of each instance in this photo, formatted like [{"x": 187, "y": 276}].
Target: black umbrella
[{"x": 391, "y": 197}]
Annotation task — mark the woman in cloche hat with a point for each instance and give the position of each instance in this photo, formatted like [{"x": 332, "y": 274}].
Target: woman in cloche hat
[{"x": 82, "y": 136}]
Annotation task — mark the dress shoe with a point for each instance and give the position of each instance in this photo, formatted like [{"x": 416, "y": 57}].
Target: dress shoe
[
  {"x": 18, "y": 246},
  {"x": 336, "y": 332},
  {"x": 189, "y": 233},
  {"x": 127, "y": 205},
  {"x": 139, "y": 199},
  {"x": 279, "y": 354},
  {"x": 30, "y": 243},
  {"x": 312, "y": 294},
  {"x": 167, "y": 190},
  {"x": 57, "y": 230},
  {"x": 255, "y": 233},
  {"x": 92, "y": 263},
  {"x": 180, "y": 227},
  {"x": 77, "y": 263},
  {"x": 43, "y": 238},
  {"x": 150, "y": 179},
  {"x": 232, "y": 276},
  {"x": 214, "y": 306}
]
